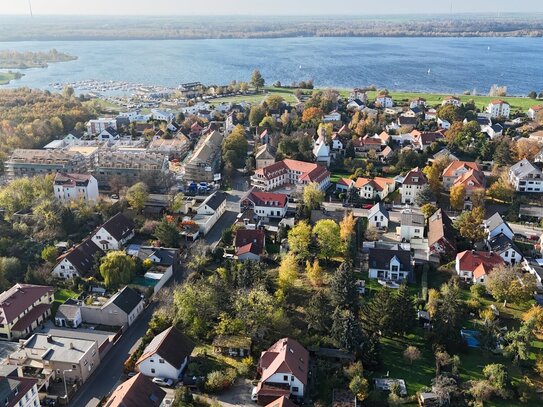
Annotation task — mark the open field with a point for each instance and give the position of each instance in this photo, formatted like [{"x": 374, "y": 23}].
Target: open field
[{"x": 287, "y": 94}]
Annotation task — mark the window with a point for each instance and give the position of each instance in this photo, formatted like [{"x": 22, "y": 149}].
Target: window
[
  {"x": 285, "y": 378},
  {"x": 152, "y": 370},
  {"x": 295, "y": 389},
  {"x": 152, "y": 360},
  {"x": 160, "y": 360}
]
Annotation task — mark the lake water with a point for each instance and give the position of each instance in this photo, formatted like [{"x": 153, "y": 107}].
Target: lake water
[{"x": 455, "y": 64}]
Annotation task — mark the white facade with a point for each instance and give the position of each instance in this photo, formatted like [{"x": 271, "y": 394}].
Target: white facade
[
  {"x": 510, "y": 256},
  {"x": 378, "y": 220},
  {"x": 296, "y": 386},
  {"x": 443, "y": 124},
  {"x": 206, "y": 217},
  {"x": 451, "y": 100},
  {"x": 74, "y": 192},
  {"x": 409, "y": 193},
  {"x": 162, "y": 115},
  {"x": 394, "y": 272},
  {"x": 498, "y": 108},
  {"x": 105, "y": 241},
  {"x": 156, "y": 366},
  {"x": 321, "y": 151},
  {"x": 526, "y": 177},
  {"x": 135, "y": 116},
  {"x": 96, "y": 126},
  {"x": 409, "y": 232},
  {"x": 384, "y": 101},
  {"x": 64, "y": 270}
]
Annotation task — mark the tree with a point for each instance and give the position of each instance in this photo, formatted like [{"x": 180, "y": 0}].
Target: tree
[
  {"x": 447, "y": 112},
  {"x": 235, "y": 147},
  {"x": 518, "y": 341},
  {"x": 532, "y": 94},
  {"x": 412, "y": 354},
  {"x": 167, "y": 233},
  {"x": 311, "y": 115},
  {"x": 256, "y": 115},
  {"x": 257, "y": 81},
  {"x": 535, "y": 313},
  {"x": 458, "y": 195},
  {"x": 501, "y": 189},
  {"x": 425, "y": 196},
  {"x": 327, "y": 234},
  {"x": 359, "y": 386},
  {"x": 288, "y": 272},
  {"x": 299, "y": 240},
  {"x": 444, "y": 387},
  {"x": 469, "y": 225},
  {"x": 497, "y": 375},
  {"x": 196, "y": 307},
  {"x": 117, "y": 268},
  {"x": 176, "y": 202},
  {"x": 447, "y": 318},
  {"x": 313, "y": 196},
  {"x": 274, "y": 102},
  {"x": 505, "y": 283},
  {"x": 137, "y": 196},
  {"x": 258, "y": 311},
  {"x": 315, "y": 273},
  {"x": 346, "y": 330},
  {"x": 343, "y": 292},
  {"x": 49, "y": 254},
  {"x": 268, "y": 123},
  {"x": 319, "y": 313},
  {"x": 11, "y": 270},
  {"x": 378, "y": 313},
  {"x": 346, "y": 227},
  {"x": 481, "y": 391},
  {"x": 433, "y": 174},
  {"x": 526, "y": 148},
  {"x": 433, "y": 302},
  {"x": 403, "y": 311},
  {"x": 428, "y": 210}
]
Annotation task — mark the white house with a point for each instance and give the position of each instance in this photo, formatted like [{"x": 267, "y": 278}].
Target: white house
[
  {"x": 77, "y": 261},
  {"x": 417, "y": 102},
  {"x": 384, "y": 101},
  {"x": 390, "y": 264},
  {"x": 412, "y": 184},
  {"x": 492, "y": 131},
  {"x": 209, "y": 212},
  {"x": 443, "y": 124},
  {"x": 496, "y": 225},
  {"x": 293, "y": 172},
  {"x": 332, "y": 117},
  {"x": 114, "y": 233},
  {"x": 451, "y": 100},
  {"x": 355, "y": 104},
  {"x": 498, "y": 108},
  {"x": 412, "y": 225},
  {"x": 266, "y": 204},
  {"x": 108, "y": 134},
  {"x": 284, "y": 364},
  {"x": 526, "y": 177},
  {"x": 321, "y": 151},
  {"x": 135, "y": 116},
  {"x": 96, "y": 126},
  {"x": 73, "y": 187},
  {"x": 506, "y": 248},
  {"x": 19, "y": 391},
  {"x": 167, "y": 355},
  {"x": 535, "y": 112},
  {"x": 378, "y": 216},
  {"x": 68, "y": 315},
  {"x": 474, "y": 266},
  {"x": 162, "y": 115}
]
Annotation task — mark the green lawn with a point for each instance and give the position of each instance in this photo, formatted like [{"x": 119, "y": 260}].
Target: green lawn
[
  {"x": 6, "y": 77},
  {"x": 433, "y": 99},
  {"x": 287, "y": 94},
  {"x": 61, "y": 295}
]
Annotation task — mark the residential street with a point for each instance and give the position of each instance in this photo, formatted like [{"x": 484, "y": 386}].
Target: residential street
[{"x": 105, "y": 378}]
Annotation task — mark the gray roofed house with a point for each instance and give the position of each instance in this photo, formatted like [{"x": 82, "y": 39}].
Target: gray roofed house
[
  {"x": 526, "y": 177},
  {"x": 68, "y": 315},
  {"x": 496, "y": 225},
  {"x": 412, "y": 225},
  {"x": 378, "y": 216},
  {"x": 216, "y": 200},
  {"x": 387, "y": 264},
  {"x": 505, "y": 247},
  {"x": 78, "y": 261},
  {"x": 127, "y": 299},
  {"x": 159, "y": 255},
  {"x": 114, "y": 233}
]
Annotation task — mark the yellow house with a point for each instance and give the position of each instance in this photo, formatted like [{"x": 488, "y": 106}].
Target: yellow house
[{"x": 23, "y": 308}]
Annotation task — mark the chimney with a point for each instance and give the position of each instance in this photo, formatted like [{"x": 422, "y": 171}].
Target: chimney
[
  {"x": 50, "y": 338},
  {"x": 72, "y": 345},
  {"x": 473, "y": 251}
]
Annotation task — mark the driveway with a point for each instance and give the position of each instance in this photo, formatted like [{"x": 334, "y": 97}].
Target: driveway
[
  {"x": 226, "y": 220},
  {"x": 237, "y": 395}
]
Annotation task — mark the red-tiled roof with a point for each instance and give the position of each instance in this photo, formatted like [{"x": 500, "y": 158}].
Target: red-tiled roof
[
  {"x": 473, "y": 260},
  {"x": 415, "y": 177},
  {"x": 498, "y": 102},
  {"x": 138, "y": 391},
  {"x": 476, "y": 177},
  {"x": 71, "y": 180},
  {"x": 454, "y": 166},
  {"x": 285, "y": 356},
  {"x": 19, "y": 298},
  {"x": 282, "y": 401},
  {"x": 270, "y": 199},
  {"x": 309, "y": 171},
  {"x": 254, "y": 238}
]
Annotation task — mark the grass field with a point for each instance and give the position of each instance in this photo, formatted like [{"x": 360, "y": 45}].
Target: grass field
[
  {"x": 61, "y": 295},
  {"x": 287, "y": 94},
  {"x": 6, "y": 77},
  {"x": 434, "y": 99}
]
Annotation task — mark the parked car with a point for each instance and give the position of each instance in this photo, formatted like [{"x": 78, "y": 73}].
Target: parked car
[
  {"x": 367, "y": 206},
  {"x": 162, "y": 381},
  {"x": 114, "y": 196}
]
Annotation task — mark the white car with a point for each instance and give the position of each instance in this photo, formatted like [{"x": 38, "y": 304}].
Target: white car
[
  {"x": 254, "y": 395},
  {"x": 162, "y": 381}
]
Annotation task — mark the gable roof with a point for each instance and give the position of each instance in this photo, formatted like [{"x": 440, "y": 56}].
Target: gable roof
[
  {"x": 478, "y": 262},
  {"x": 82, "y": 256},
  {"x": 501, "y": 242},
  {"x": 17, "y": 299},
  {"x": 268, "y": 199},
  {"x": 215, "y": 200},
  {"x": 440, "y": 227},
  {"x": 119, "y": 226},
  {"x": 415, "y": 177},
  {"x": 409, "y": 218},
  {"x": 171, "y": 345},
  {"x": 454, "y": 166},
  {"x": 254, "y": 238},
  {"x": 72, "y": 180},
  {"x": 305, "y": 171},
  {"x": 166, "y": 256},
  {"x": 379, "y": 207},
  {"x": 285, "y": 356},
  {"x": 266, "y": 152},
  {"x": 138, "y": 391},
  {"x": 380, "y": 258},
  {"x": 282, "y": 401},
  {"x": 474, "y": 176},
  {"x": 523, "y": 168},
  {"x": 127, "y": 299},
  {"x": 495, "y": 221}
]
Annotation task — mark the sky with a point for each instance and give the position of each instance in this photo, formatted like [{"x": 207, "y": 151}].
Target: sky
[{"x": 264, "y": 7}]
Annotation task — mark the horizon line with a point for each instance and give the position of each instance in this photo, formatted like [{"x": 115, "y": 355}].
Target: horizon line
[{"x": 459, "y": 13}]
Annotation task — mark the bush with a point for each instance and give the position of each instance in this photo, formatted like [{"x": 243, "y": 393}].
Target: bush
[
  {"x": 149, "y": 227},
  {"x": 478, "y": 290},
  {"x": 218, "y": 381},
  {"x": 474, "y": 305}
]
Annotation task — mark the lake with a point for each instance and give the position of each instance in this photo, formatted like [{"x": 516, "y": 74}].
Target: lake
[{"x": 444, "y": 65}]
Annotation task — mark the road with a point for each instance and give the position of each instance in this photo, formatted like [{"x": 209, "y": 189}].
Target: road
[
  {"x": 226, "y": 220},
  {"x": 106, "y": 377},
  {"x": 526, "y": 230}
]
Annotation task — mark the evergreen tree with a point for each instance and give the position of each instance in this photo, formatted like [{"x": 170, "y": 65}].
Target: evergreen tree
[
  {"x": 318, "y": 313},
  {"x": 378, "y": 314},
  {"x": 346, "y": 330},
  {"x": 343, "y": 292},
  {"x": 404, "y": 311}
]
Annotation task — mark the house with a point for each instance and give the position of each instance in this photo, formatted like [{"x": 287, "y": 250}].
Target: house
[
  {"x": 72, "y": 358},
  {"x": 321, "y": 151},
  {"x": 174, "y": 148},
  {"x": 526, "y": 177},
  {"x": 506, "y": 248},
  {"x": 496, "y": 225},
  {"x": 378, "y": 216},
  {"x": 417, "y": 102},
  {"x": 167, "y": 355},
  {"x": 137, "y": 391},
  {"x": 162, "y": 115},
  {"x": 385, "y": 154},
  {"x": 441, "y": 235},
  {"x": 114, "y": 233},
  {"x": 291, "y": 172},
  {"x": 205, "y": 160},
  {"x": 451, "y": 100},
  {"x": 430, "y": 114},
  {"x": 265, "y": 156},
  {"x": 498, "y": 108},
  {"x": 412, "y": 184},
  {"x": 359, "y": 94},
  {"x": 367, "y": 188},
  {"x": 68, "y": 315},
  {"x": 96, "y": 126},
  {"x": 443, "y": 124},
  {"x": 122, "y": 309},
  {"x": 333, "y": 117},
  {"x": 23, "y": 308},
  {"x": 161, "y": 256},
  {"x": 73, "y": 187},
  {"x": 493, "y": 131},
  {"x": 108, "y": 134},
  {"x": 284, "y": 370},
  {"x": 534, "y": 267},
  {"x": 474, "y": 266},
  {"x": 363, "y": 145},
  {"x": 421, "y": 141},
  {"x": 428, "y": 399},
  {"x": 535, "y": 112},
  {"x": 412, "y": 225},
  {"x": 444, "y": 152},
  {"x": 78, "y": 261},
  {"x": 266, "y": 204},
  {"x": 344, "y": 184},
  {"x": 210, "y": 211},
  {"x": 472, "y": 181},
  {"x": 390, "y": 264},
  {"x": 250, "y": 244},
  {"x": 231, "y": 345},
  {"x": 19, "y": 391},
  {"x": 455, "y": 170},
  {"x": 355, "y": 104},
  {"x": 407, "y": 122},
  {"x": 383, "y": 101}
]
